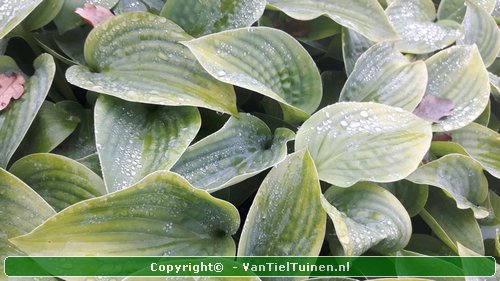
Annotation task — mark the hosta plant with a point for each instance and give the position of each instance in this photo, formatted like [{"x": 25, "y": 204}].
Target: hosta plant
[{"x": 251, "y": 128}]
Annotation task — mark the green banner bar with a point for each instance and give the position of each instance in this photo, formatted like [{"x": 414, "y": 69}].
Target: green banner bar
[{"x": 251, "y": 266}]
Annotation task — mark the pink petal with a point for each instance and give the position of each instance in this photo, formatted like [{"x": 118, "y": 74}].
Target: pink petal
[{"x": 94, "y": 14}]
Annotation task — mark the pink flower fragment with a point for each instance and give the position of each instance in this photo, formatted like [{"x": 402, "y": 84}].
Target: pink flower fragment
[
  {"x": 93, "y": 14},
  {"x": 11, "y": 87},
  {"x": 432, "y": 108}
]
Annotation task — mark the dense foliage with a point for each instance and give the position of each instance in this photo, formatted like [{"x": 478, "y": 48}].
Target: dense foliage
[{"x": 253, "y": 128}]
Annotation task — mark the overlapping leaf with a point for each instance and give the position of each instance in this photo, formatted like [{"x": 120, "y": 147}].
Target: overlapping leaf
[
  {"x": 43, "y": 14},
  {"x": 482, "y": 144},
  {"x": 205, "y": 17},
  {"x": 353, "y": 141},
  {"x": 51, "y": 127},
  {"x": 264, "y": 60},
  {"x": 286, "y": 217},
  {"x": 16, "y": 120},
  {"x": 161, "y": 215},
  {"x": 450, "y": 74},
  {"x": 460, "y": 176},
  {"x": 21, "y": 211},
  {"x": 414, "y": 21},
  {"x": 61, "y": 181},
  {"x": 241, "y": 149},
  {"x": 382, "y": 74},
  {"x": 134, "y": 140},
  {"x": 366, "y": 216},
  {"x": 67, "y": 18},
  {"x": 136, "y": 56},
  {"x": 412, "y": 196},
  {"x": 353, "y": 46},
  {"x": 456, "y": 9},
  {"x": 450, "y": 224},
  {"x": 364, "y": 16},
  {"x": 481, "y": 29},
  {"x": 13, "y": 12}
]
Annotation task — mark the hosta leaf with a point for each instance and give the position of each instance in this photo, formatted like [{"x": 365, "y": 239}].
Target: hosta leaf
[
  {"x": 450, "y": 224},
  {"x": 152, "y": 6},
  {"x": 16, "y": 119},
  {"x": 136, "y": 56},
  {"x": 353, "y": 46},
  {"x": 286, "y": 217},
  {"x": 428, "y": 245},
  {"x": 161, "y": 215},
  {"x": 366, "y": 216},
  {"x": 264, "y": 60},
  {"x": 51, "y": 127},
  {"x": 21, "y": 210},
  {"x": 92, "y": 162},
  {"x": 134, "y": 140},
  {"x": 67, "y": 18},
  {"x": 481, "y": 29},
  {"x": 455, "y": 9},
  {"x": 482, "y": 144},
  {"x": 61, "y": 181},
  {"x": 205, "y": 17},
  {"x": 412, "y": 196},
  {"x": 382, "y": 74},
  {"x": 81, "y": 142},
  {"x": 460, "y": 176},
  {"x": 364, "y": 16},
  {"x": 242, "y": 148},
  {"x": 450, "y": 74},
  {"x": 464, "y": 251},
  {"x": 13, "y": 12},
  {"x": 442, "y": 148},
  {"x": 43, "y": 14},
  {"x": 414, "y": 21},
  {"x": 353, "y": 141}
]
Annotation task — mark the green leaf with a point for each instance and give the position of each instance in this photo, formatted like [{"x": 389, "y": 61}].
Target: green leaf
[
  {"x": 61, "y": 181},
  {"x": 21, "y": 210},
  {"x": 412, "y": 196},
  {"x": 205, "y": 17},
  {"x": 455, "y": 9},
  {"x": 450, "y": 73},
  {"x": 353, "y": 141},
  {"x": 67, "y": 18},
  {"x": 243, "y": 148},
  {"x": 43, "y": 14},
  {"x": 264, "y": 60},
  {"x": 92, "y": 162},
  {"x": 382, "y": 74},
  {"x": 481, "y": 29},
  {"x": 353, "y": 46},
  {"x": 136, "y": 56},
  {"x": 16, "y": 119},
  {"x": 133, "y": 140},
  {"x": 484, "y": 118},
  {"x": 52, "y": 125},
  {"x": 13, "y": 12},
  {"x": 495, "y": 86},
  {"x": 460, "y": 176},
  {"x": 81, "y": 142},
  {"x": 442, "y": 148},
  {"x": 450, "y": 224},
  {"x": 465, "y": 251},
  {"x": 414, "y": 21},
  {"x": 482, "y": 144},
  {"x": 428, "y": 245},
  {"x": 366, "y": 216},
  {"x": 286, "y": 217},
  {"x": 161, "y": 215},
  {"x": 152, "y": 6},
  {"x": 364, "y": 16}
]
